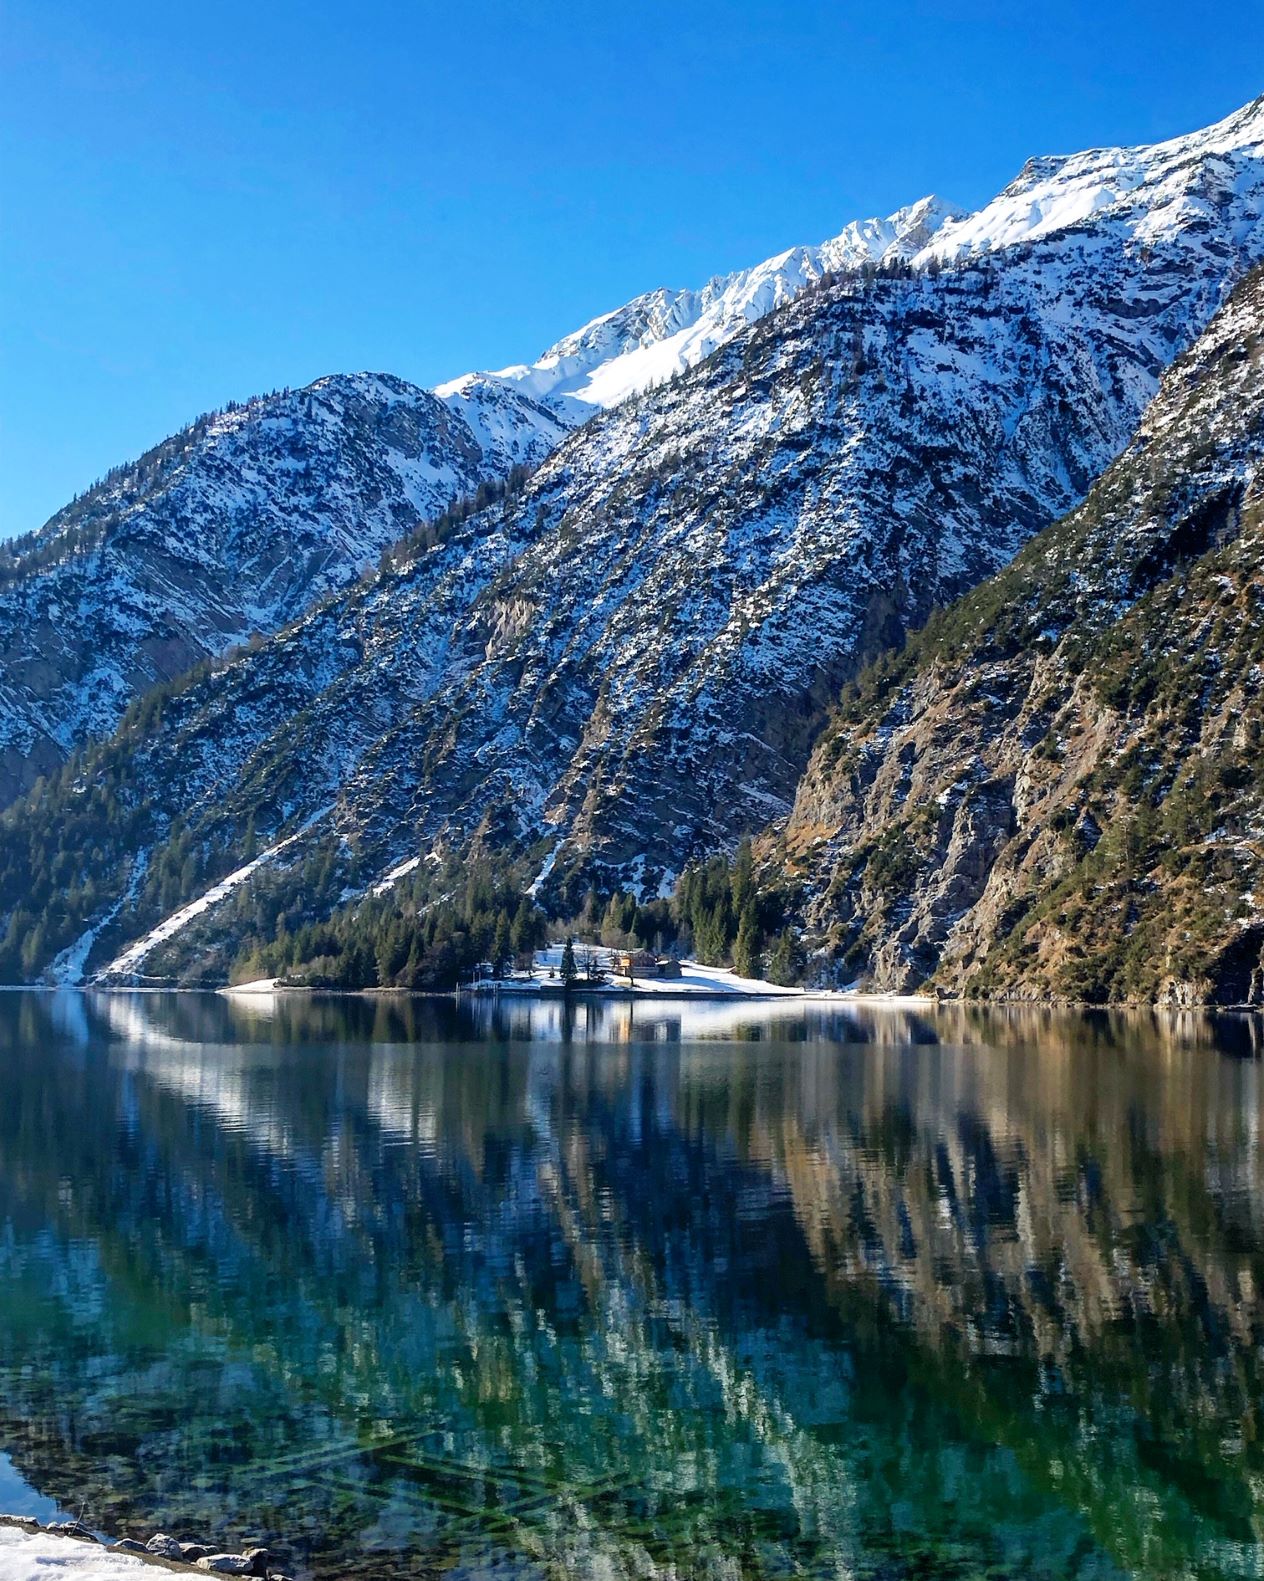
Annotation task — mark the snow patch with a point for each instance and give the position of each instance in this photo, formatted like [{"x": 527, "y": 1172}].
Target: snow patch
[
  {"x": 396, "y": 873},
  {"x": 133, "y": 957},
  {"x": 39, "y": 1556}
]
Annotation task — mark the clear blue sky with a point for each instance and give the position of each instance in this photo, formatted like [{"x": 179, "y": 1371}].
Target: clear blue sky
[{"x": 200, "y": 202}]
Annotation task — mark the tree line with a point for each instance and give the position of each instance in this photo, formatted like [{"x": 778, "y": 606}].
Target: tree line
[
  {"x": 408, "y": 938},
  {"x": 404, "y": 939}
]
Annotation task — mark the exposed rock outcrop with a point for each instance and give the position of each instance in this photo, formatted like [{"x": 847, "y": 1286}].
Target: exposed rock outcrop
[{"x": 1056, "y": 791}]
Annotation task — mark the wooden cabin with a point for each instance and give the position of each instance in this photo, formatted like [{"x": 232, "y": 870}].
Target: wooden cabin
[{"x": 642, "y": 963}]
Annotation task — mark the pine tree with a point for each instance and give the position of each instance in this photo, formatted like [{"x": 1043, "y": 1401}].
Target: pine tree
[
  {"x": 33, "y": 952},
  {"x": 612, "y": 921},
  {"x": 743, "y": 876},
  {"x": 784, "y": 960},
  {"x": 569, "y": 969},
  {"x": 523, "y": 933},
  {"x": 746, "y": 945},
  {"x": 502, "y": 950},
  {"x": 390, "y": 955}
]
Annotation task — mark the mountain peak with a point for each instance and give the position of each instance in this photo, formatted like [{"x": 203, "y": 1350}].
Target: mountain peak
[
  {"x": 1149, "y": 189},
  {"x": 664, "y": 331}
]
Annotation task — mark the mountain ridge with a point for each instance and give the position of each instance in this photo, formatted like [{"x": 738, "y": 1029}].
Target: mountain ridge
[
  {"x": 230, "y": 528},
  {"x": 622, "y": 664},
  {"x": 662, "y": 332},
  {"x": 658, "y": 334},
  {"x": 516, "y": 417}
]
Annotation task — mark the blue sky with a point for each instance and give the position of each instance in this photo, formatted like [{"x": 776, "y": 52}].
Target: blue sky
[{"x": 198, "y": 203}]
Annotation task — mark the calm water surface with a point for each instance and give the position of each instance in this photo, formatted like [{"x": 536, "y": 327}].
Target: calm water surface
[{"x": 412, "y": 1289}]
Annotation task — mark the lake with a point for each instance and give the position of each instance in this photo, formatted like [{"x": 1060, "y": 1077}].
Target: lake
[{"x": 408, "y": 1287}]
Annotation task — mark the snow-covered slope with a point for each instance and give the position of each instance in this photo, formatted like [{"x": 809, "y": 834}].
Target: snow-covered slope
[
  {"x": 231, "y": 527},
  {"x": 243, "y": 520},
  {"x": 658, "y": 335},
  {"x": 1146, "y": 194}
]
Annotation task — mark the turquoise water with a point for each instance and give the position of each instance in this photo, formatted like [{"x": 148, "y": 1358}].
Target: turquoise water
[{"x": 405, "y": 1288}]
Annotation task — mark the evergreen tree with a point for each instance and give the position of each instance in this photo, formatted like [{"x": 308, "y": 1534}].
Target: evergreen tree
[
  {"x": 33, "y": 951},
  {"x": 502, "y": 949},
  {"x": 743, "y": 883},
  {"x": 569, "y": 970},
  {"x": 746, "y": 945},
  {"x": 390, "y": 955},
  {"x": 612, "y": 921},
  {"x": 784, "y": 960},
  {"x": 524, "y": 933}
]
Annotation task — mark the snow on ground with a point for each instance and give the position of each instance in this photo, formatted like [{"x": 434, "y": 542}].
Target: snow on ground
[
  {"x": 533, "y": 889},
  {"x": 134, "y": 955},
  {"x": 694, "y": 978},
  {"x": 67, "y": 969},
  {"x": 396, "y": 873},
  {"x": 42, "y": 1556}
]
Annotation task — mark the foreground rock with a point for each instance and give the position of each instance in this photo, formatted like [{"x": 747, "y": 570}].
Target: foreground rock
[{"x": 30, "y": 1551}]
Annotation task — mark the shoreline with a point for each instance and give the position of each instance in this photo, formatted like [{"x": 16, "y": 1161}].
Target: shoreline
[
  {"x": 597, "y": 993},
  {"x": 818, "y": 996},
  {"x": 70, "y": 1548}
]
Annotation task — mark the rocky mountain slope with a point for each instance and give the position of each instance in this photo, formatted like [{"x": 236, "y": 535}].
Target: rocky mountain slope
[
  {"x": 234, "y": 526},
  {"x": 625, "y": 664},
  {"x": 243, "y": 520},
  {"x": 1057, "y": 790}
]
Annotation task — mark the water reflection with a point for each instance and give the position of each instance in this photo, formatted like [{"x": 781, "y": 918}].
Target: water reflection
[{"x": 638, "y": 1289}]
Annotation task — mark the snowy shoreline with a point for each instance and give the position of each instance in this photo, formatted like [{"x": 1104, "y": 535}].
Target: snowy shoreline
[
  {"x": 33, "y": 1551},
  {"x": 691, "y": 981}
]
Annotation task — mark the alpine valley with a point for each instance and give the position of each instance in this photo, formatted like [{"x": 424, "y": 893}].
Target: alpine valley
[{"x": 322, "y": 666}]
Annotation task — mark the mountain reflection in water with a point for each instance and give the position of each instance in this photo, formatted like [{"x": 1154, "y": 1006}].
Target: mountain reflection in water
[{"x": 634, "y": 1290}]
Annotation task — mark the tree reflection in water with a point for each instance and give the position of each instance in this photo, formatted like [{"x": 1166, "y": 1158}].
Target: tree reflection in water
[{"x": 635, "y": 1290}]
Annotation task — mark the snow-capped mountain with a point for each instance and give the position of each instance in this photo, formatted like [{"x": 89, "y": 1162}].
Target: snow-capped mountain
[
  {"x": 1143, "y": 191},
  {"x": 240, "y": 522},
  {"x": 658, "y": 335},
  {"x": 62, "y": 687},
  {"x": 625, "y": 663},
  {"x": 232, "y": 527},
  {"x": 1145, "y": 194}
]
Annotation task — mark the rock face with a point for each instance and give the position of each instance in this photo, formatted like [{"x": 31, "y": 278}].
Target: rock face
[
  {"x": 244, "y": 520},
  {"x": 232, "y": 527},
  {"x": 626, "y": 664},
  {"x": 1056, "y": 790}
]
